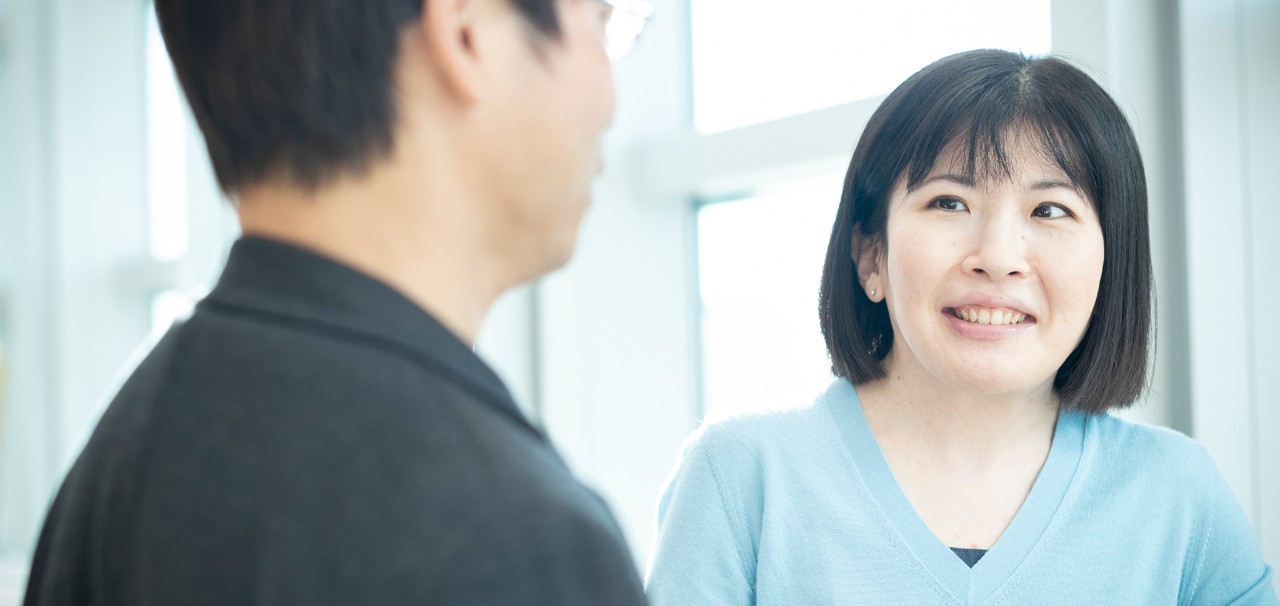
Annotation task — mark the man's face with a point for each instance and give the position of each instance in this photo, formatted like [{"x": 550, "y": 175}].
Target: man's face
[{"x": 546, "y": 145}]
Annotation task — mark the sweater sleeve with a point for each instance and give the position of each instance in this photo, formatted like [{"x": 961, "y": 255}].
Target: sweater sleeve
[
  {"x": 1229, "y": 568},
  {"x": 704, "y": 553}
]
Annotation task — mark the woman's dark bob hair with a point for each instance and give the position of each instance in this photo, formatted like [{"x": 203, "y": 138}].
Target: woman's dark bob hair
[{"x": 976, "y": 100}]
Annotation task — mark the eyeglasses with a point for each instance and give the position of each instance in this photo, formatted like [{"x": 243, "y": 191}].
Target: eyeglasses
[{"x": 624, "y": 21}]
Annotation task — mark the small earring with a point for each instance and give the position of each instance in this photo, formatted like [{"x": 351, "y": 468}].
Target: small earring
[{"x": 873, "y": 292}]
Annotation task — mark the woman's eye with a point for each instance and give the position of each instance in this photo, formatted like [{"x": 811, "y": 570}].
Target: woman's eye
[
  {"x": 1050, "y": 211},
  {"x": 948, "y": 203}
]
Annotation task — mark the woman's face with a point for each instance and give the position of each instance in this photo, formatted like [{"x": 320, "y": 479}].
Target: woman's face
[{"x": 989, "y": 285}]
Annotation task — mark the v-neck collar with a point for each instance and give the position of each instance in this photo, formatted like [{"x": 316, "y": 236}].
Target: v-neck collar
[{"x": 966, "y": 585}]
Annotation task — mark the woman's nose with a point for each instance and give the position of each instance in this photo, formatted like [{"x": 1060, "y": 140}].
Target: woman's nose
[{"x": 1000, "y": 250}]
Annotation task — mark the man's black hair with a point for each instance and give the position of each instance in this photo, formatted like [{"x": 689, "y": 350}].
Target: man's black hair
[{"x": 300, "y": 89}]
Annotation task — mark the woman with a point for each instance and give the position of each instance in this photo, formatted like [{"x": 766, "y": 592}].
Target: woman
[{"x": 986, "y": 300}]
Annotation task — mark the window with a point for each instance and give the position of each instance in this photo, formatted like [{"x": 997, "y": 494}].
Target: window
[
  {"x": 166, "y": 151},
  {"x": 759, "y": 265},
  {"x": 754, "y": 62},
  {"x": 167, "y": 307},
  {"x": 180, "y": 194}
]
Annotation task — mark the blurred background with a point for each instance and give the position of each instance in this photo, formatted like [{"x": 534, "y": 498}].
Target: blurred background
[{"x": 694, "y": 290}]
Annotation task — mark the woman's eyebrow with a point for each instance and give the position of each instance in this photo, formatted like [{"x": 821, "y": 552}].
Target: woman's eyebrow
[
  {"x": 1051, "y": 184},
  {"x": 966, "y": 181},
  {"x": 957, "y": 179}
]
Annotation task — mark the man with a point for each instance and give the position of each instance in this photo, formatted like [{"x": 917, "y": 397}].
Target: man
[{"x": 319, "y": 431}]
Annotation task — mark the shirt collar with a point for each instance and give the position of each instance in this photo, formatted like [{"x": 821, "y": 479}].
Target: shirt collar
[{"x": 298, "y": 285}]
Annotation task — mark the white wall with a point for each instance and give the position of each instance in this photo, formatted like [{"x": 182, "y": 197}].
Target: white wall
[
  {"x": 26, "y": 479},
  {"x": 75, "y": 232},
  {"x": 1231, "y": 131},
  {"x": 80, "y": 161}
]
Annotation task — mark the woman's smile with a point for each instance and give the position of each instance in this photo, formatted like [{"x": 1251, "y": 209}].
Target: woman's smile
[
  {"x": 988, "y": 317},
  {"x": 985, "y": 315},
  {"x": 987, "y": 324}
]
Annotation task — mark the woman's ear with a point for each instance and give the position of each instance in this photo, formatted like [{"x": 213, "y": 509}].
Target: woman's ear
[{"x": 868, "y": 258}]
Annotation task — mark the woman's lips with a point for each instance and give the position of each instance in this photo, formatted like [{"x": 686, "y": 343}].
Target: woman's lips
[
  {"x": 977, "y": 314},
  {"x": 968, "y": 321}
]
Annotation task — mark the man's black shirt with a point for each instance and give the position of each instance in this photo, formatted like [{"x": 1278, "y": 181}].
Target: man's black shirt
[{"x": 310, "y": 436}]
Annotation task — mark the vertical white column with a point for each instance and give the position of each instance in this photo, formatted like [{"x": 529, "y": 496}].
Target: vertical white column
[
  {"x": 1261, "y": 72},
  {"x": 1143, "y": 73},
  {"x": 1079, "y": 30},
  {"x": 26, "y": 455},
  {"x": 1217, "y": 211}
]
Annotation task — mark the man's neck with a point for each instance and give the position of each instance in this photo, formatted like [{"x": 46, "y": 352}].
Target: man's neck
[{"x": 434, "y": 255}]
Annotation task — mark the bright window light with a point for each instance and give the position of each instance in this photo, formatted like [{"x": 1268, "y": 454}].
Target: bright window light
[
  {"x": 759, "y": 266},
  {"x": 759, "y": 61},
  {"x": 167, "y": 307},
  {"x": 166, "y": 151}
]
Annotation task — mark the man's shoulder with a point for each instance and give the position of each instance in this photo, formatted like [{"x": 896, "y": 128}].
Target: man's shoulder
[
  {"x": 221, "y": 454},
  {"x": 216, "y": 417},
  {"x": 274, "y": 393}
]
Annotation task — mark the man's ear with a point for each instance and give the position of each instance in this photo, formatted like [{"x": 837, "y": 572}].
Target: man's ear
[
  {"x": 447, "y": 41},
  {"x": 867, "y": 252}
]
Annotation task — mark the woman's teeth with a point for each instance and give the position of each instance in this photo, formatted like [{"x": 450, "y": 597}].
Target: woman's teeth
[{"x": 983, "y": 315}]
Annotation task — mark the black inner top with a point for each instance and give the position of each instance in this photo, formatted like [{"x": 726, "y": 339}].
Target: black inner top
[{"x": 969, "y": 556}]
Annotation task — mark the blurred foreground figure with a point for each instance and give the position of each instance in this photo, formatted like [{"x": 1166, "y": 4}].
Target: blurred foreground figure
[{"x": 319, "y": 431}]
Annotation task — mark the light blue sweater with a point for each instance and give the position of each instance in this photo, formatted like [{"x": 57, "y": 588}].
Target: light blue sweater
[{"x": 800, "y": 508}]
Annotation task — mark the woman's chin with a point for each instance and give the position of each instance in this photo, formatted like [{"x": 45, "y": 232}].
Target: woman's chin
[{"x": 997, "y": 382}]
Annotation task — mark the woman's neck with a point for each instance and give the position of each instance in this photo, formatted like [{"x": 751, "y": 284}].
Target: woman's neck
[
  {"x": 911, "y": 407},
  {"x": 966, "y": 461}
]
